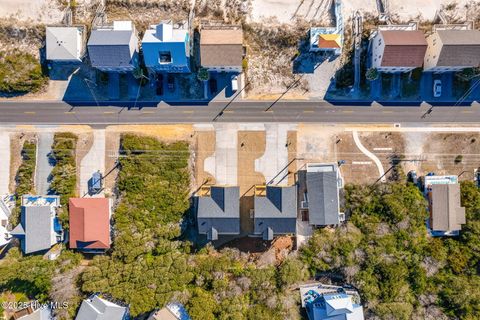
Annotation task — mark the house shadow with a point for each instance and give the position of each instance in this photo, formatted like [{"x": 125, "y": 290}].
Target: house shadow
[{"x": 306, "y": 61}]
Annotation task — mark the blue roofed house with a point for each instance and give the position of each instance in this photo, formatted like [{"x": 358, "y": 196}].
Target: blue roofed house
[
  {"x": 114, "y": 48},
  {"x": 275, "y": 211},
  {"x": 39, "y": 228},
  {"x": 166, "y": 48},
  {"x": 327, "y": 302},
  {"x": 218, "y": 211}
]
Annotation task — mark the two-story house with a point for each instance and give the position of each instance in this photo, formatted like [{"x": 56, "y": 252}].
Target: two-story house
[
  {"x": 166, "y": 48},
  {"x": 452, "y": 50},
  {"x": 114, "y": 48},
  {"x": 397, "y": 51}
]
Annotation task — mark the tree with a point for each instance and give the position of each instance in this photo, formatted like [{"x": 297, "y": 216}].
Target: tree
[
  {"x": 202, "y": 305},
  {"x": 372, "y": 74},
  {"x": 203, "y": 74}
]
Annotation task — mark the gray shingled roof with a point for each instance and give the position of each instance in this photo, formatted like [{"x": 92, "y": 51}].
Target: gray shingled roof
[
  {"x": 280, "y": 202},
  {"x": 110, "y": 48},
  {"x": 110, "y": 37},
  {"x": 223, "y": 203},
  {"x": 37, "y": 227},
  {"x": 322, "y": 198},
  {"x": 459, "y": 48},
  {"x": 447, "y": 213},
  {"x": 100, "y": 309}
]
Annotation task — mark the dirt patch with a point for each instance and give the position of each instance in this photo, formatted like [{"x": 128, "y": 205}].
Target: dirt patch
[
  {"x": 84, "y": 144},
  {"x": 358, "y": 168},
  {"x": 112, "y": 146},
  {"x": 278, "y": 251},
  {"x": 205, "y": 147},
  {"x": 251, "y": 146},
  {"x": 389, "y": 147},
  {"x": 262, "y": 252},
  {"x": 16, "y": 144},
  {"x": 451, "y": 153},
  {"x": 292, "y": 156},
  {"x": 166, "y": 133}
]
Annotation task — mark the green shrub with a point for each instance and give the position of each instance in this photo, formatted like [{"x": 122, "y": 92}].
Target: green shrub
[
  {"x": 64, "y": 173},
  {"x": 20, "y": 73},
  {"x": 458, "y": 159}
]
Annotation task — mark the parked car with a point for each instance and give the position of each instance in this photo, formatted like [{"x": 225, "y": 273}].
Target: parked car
[
  {"x": 171, "y": 83},
  {"x": 234, "y": 84},
  {"x": 159, "y": 84},
  {"x": 437, "y": 88},
  {"x": 213, "y": 85}
]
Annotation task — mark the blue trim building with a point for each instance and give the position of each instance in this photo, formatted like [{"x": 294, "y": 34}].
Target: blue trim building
[{"x": 166, "y": 48}]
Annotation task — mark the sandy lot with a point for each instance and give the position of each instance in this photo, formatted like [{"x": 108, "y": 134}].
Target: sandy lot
[
  {"x": 45, "y": 11},
  {"x": 286, "y": 11}
]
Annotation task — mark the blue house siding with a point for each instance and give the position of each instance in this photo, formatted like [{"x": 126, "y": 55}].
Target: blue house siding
[{"x": 178, "y": 51}]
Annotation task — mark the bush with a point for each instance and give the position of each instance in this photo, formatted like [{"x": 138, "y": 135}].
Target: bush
[
  {"x": 203, "y": 74},
  {"x": 458, "y": 159},
  {"x": 20, "y": 73},
  {"x": 64, "y": 174},
  {"x": 372, "y": 74}
]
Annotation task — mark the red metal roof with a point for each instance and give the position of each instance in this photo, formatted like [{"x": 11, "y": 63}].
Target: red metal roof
[
  {"x": 89, "y": 223},
  {"x": 403, "y": 48}
]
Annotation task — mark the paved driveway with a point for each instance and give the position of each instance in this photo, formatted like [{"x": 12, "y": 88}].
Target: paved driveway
[
  {"x": 273, "y": 164},
  {"x": 93, "y": 161},
  {"x": 4, "y": 162},
  {"x": 43, "y": 166},
  {"x": 223, "y": 164}
]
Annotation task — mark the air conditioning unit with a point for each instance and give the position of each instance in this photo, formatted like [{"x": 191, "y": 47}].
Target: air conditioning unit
[
  {"x": 341, "y": 217},
  {"x": 303, "y": 204}
]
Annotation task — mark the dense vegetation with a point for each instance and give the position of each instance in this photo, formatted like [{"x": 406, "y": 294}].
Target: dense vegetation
[
  {"x": 32, "y": 275},
  {"x": 20, "y": 73},
  {"x": 64, "y": 174},
  {"x": 385, "y": 252},
  {"x": 24, "y": 178},
  {"x": 147, "y": 264}
]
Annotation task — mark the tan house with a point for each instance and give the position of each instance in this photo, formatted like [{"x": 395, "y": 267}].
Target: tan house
[
  {"x": 452, "y": 50},
  {"x": 446, "y": 213},
  {"x": 398, "y": 50},
  {"x": 221, "y": 48}
]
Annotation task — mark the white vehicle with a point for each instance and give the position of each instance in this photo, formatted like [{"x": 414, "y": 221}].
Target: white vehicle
[
  {"x": 437, "y": 88},
  {"x": 234, "y": 83}
]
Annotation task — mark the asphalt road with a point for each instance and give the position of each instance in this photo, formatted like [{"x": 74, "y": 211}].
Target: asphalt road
[{"x": 52, "y": 113}]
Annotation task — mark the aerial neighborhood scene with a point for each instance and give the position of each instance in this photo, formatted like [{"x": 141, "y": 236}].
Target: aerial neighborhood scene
[{"x": 239, "y": 159}]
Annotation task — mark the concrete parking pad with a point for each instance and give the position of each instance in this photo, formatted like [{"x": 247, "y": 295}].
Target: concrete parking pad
[
  {"x": 274, "y": 162},
  {"x": 223, "y": 163},
  {"x": 43, "y": 167},
  {"x": 93, "y": 161},
  {"x": 5, "y": 162}
]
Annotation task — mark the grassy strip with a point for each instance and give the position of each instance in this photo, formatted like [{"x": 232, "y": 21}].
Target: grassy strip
[
  {"x": 24, "y": 177},
  {"x": 64, "y": 174},
  {"x": 20, "y": 73}
]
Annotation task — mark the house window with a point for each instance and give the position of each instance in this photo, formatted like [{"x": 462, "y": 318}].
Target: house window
[{"x": 164, "y": 57}]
